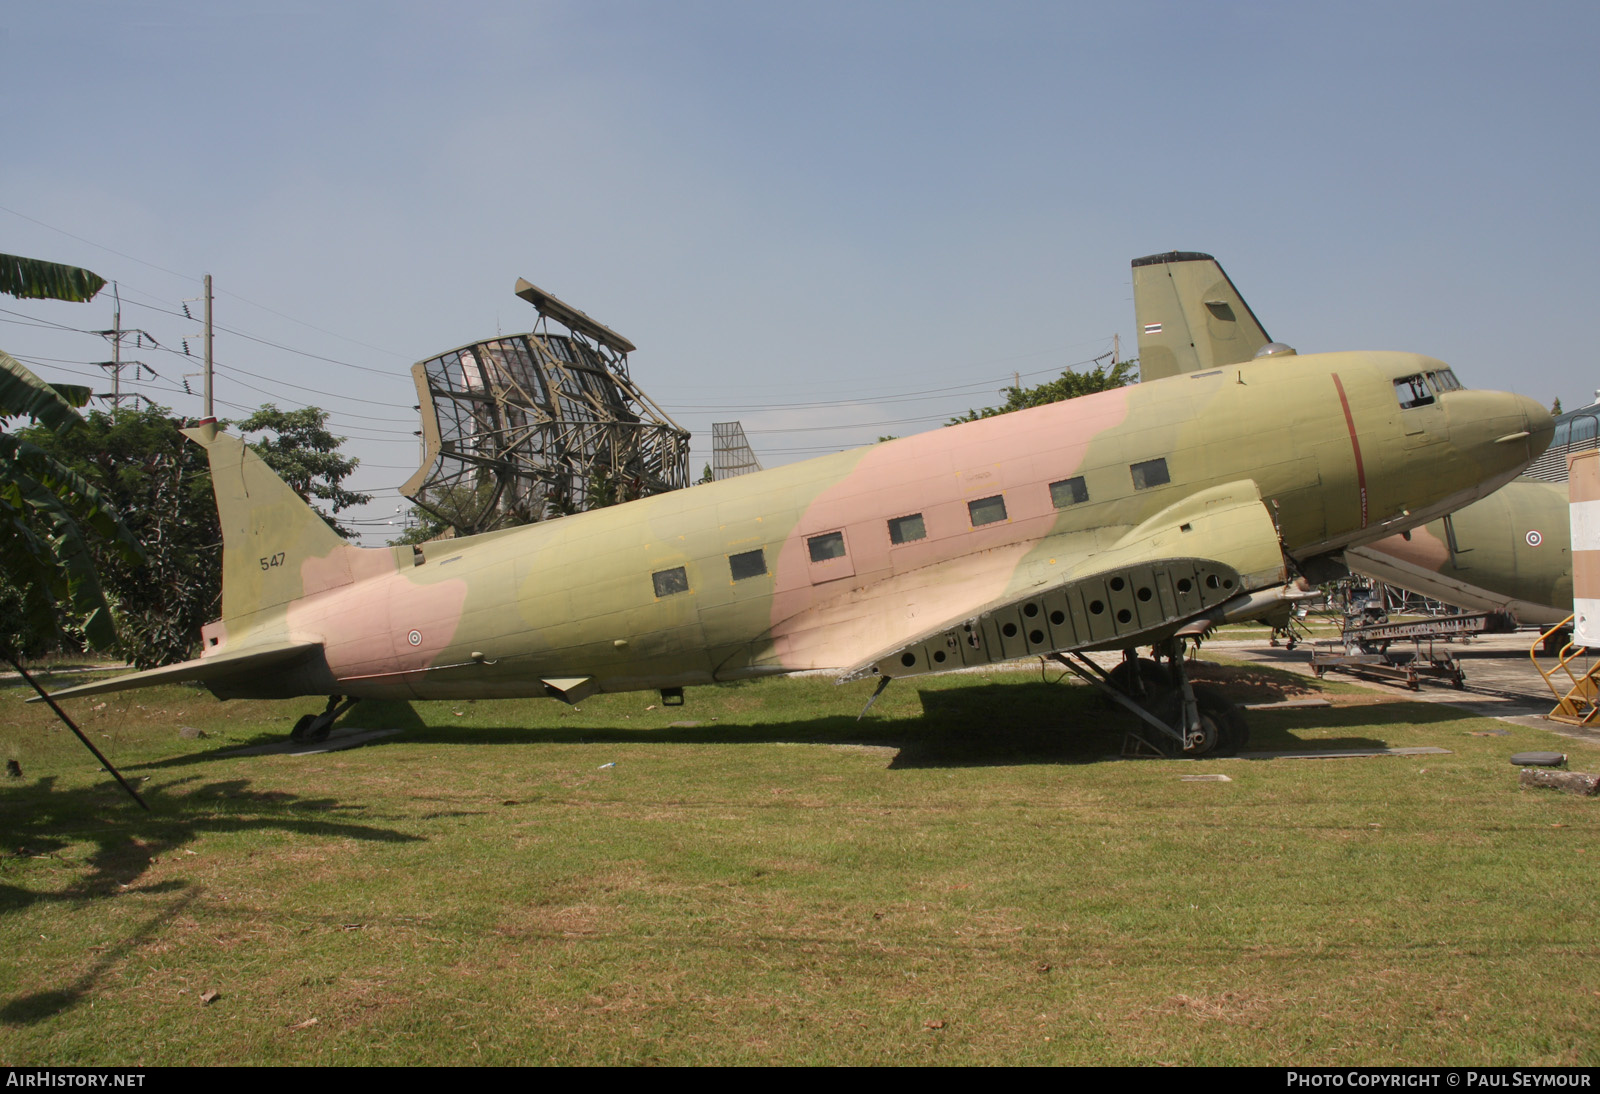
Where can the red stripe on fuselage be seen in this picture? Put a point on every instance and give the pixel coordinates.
(1355, 445)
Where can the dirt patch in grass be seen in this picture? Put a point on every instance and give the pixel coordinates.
(1254, 684)
(1235, 1007)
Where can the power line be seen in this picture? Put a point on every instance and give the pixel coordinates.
(31, 321)
(851, 425)
(269, 342)
(188, 277)
(971, 387)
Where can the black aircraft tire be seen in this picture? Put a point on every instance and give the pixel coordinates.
(1223, 727)
(298, 733)
(1157, 683)
(1236, 732)
(320, 728)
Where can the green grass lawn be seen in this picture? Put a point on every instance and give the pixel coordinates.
(961, 877)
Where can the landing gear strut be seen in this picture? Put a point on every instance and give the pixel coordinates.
(1176, 718)
(315, 727)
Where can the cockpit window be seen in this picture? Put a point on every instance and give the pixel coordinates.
(1421, 389)
(1413, 391)
(1442, 381)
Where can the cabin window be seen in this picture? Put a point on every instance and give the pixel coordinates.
(826, 546)
(907, 529)
(675, 580)
(987, 510)
(1069, 492)
(747, 564)
(1413, 391)
(1150, 473)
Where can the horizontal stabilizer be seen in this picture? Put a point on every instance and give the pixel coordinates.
(205, 670)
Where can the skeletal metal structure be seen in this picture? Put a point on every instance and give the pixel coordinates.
(530, 426)
(731, 454)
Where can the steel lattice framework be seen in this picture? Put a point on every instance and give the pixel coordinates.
(731, 454)
(530, 426)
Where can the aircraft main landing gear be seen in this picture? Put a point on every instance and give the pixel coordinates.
(1177, 718)
(315, 727)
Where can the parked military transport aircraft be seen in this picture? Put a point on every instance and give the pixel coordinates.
(1130, 518)
(1507, 553)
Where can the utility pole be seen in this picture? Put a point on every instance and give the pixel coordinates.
(1116, 349)
(115, 336)
(116, 351)
(209, 413)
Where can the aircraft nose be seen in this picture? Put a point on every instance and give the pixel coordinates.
(1539, 424)
(1496, 430)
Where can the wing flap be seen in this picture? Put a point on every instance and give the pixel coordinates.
(206, 670)
(1184, 563)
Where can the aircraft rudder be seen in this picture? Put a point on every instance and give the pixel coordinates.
(1190, 315)
(268, 530)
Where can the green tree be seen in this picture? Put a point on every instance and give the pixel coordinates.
(35, 279)
(161, 483)
(427, 526)
(1070, 385)
(45, 556)
(149, 471)
(450, 508)
(306, 456)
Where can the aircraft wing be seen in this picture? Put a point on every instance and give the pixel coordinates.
(1198, 559)
(206, 670)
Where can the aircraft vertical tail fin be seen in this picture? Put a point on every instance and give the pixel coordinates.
(275, 547)
(1190, 316)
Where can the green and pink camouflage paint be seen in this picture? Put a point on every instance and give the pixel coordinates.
(1111, 521)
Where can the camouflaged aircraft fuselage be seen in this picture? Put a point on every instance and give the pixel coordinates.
(1102, 522)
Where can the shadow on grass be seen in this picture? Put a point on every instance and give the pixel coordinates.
(372, 714)
(1006, 723)
(1276, 729)
(25, 1010)
(998, 724)
(41, 820)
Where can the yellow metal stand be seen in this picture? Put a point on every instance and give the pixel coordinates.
(1577, 705)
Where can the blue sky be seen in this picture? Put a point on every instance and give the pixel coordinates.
(786, 203)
